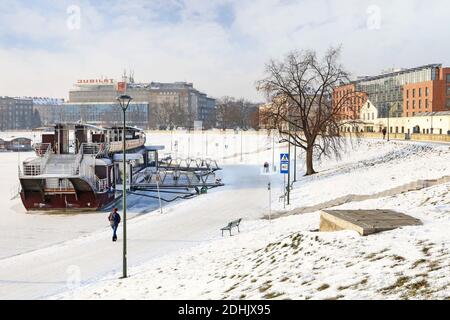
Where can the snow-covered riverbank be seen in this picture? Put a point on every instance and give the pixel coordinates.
(287, 258)
(181, 253)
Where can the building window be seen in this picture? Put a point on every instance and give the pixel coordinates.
(427, 91)
(414, 104)
(448, 91)
(414, 93)
(420, 104)
(420, 92)
(448, 78)
(426, 103)
(448, 103)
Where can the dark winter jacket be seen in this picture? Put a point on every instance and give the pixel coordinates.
(114, 217)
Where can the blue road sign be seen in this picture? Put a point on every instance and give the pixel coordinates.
(284, 163)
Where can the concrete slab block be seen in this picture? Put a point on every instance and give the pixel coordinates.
(364, 222)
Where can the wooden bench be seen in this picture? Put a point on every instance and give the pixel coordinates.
(232, 224)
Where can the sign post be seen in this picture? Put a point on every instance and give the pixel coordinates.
(266, 171)
(284, 169)
(159, 195)
(269, 188)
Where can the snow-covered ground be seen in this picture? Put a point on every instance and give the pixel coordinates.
(38, 250)
(23, 232)
(287, 259)
(181, 254)
(375, 166)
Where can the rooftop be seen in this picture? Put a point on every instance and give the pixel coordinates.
(47, 101)
(428, 114)
(396, 73)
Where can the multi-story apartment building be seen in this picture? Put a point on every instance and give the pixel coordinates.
(401, 92)
(16, 113)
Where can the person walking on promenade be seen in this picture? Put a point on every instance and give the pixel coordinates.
(114, 220)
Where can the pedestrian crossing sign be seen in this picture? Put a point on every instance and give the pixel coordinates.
(284, 163)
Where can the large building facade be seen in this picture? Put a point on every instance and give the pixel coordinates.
(400, 93)
(158, 96)
(105, 113)
(49, 110)
(16, 113)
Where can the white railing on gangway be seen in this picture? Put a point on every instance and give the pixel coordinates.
(36, 167)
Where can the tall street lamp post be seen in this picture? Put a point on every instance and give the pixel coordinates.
(295, 162)
(124, 101)
(388, 109)
(289, 162)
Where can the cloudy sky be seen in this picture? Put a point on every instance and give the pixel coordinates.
(219, 45)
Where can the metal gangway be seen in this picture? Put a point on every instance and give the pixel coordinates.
(178, 174)
(189, 164)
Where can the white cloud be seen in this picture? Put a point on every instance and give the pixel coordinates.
(186, 41)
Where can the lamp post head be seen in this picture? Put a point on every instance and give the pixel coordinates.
(124, 101)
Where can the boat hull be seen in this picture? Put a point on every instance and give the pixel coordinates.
(88, 201)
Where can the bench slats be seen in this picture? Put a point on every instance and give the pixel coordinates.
(232, 224)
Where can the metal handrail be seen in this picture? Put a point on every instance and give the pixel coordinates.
(88, 148)
(78, 159)
(35, 169)
(101, 184)
(46, 157)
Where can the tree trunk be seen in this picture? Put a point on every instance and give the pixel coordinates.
(309, 162)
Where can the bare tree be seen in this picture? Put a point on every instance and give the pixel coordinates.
(177, 116)
(223, 112)
(301, 104)
(235, 113)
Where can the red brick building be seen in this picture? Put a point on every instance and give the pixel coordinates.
(349, 101)
(428, 96)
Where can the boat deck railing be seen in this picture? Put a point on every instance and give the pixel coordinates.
(101, 184)
(37, 166)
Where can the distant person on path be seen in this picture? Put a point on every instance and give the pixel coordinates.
(114, 220)
(384, 133)
(266, 167)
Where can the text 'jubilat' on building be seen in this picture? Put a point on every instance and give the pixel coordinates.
(155, 105)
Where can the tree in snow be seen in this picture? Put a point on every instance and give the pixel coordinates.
(299, 90)
(235, 113)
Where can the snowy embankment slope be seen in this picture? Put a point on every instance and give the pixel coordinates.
(286, 258)
(373, 167)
